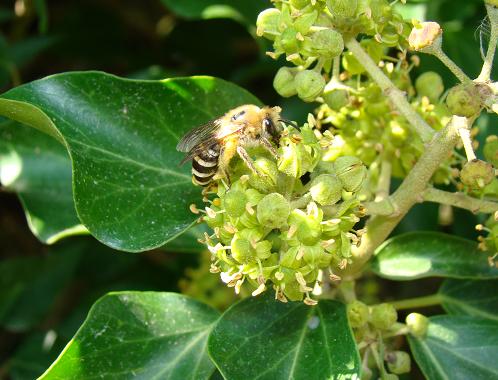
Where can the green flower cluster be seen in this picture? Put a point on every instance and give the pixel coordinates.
(312, 32)
(289, 224)
(366, 125)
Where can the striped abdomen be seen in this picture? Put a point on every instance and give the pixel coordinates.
(205, 166)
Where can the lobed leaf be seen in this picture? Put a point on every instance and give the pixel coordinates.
(139, 334)
(474, 298)
(121, 136)
(260, 338)
(457, 348)
(38, 169)
(426, 254)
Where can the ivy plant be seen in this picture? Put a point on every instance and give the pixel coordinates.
(298, 238)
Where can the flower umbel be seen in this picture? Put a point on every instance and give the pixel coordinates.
(287, 226)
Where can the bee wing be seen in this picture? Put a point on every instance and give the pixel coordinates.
(198, 136)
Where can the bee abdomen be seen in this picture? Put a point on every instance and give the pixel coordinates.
(204, 167)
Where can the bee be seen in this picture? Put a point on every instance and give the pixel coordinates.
(211, 146)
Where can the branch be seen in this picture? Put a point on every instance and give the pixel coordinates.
(409, 192)
(493, 39)
(398, 97)
(460, 200)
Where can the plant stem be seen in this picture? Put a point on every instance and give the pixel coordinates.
(397, 97)
(383, 207)
(493, 39)
(467, 144)
(384, 180)
(417, 302)
(454, 68)
(409, 192)
(460, 200)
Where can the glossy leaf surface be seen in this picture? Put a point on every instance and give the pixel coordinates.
(38, 169)
(121, 136)
(140, 334)
(266, 339)
(458, 348)
(475, 298)
(425, 254)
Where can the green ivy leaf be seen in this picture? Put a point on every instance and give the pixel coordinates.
(243, 11)
(38, 169)
(477, 298)
(458, 348)
(121, 136)
(425, 254)
(262, 338)
(139, 334)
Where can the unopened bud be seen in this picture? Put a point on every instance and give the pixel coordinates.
(235, 203)
(326, 189)
(477, 174)
(284, 82)
(425, 35)
(325, 43)
(430, 84)
(273, 211)
(351, 172)
(398, 362)
(417, 324)
(464, 100)
(342, 8)
(383, 316)
(267, 23)
(309, 85)
(357, 314)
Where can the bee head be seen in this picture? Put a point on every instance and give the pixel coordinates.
(271, 122)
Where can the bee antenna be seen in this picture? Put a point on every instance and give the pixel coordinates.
(289, 122)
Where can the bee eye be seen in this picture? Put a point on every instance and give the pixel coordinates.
(270, 127)
(238, 115)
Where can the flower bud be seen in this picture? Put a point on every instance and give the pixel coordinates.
(267, 23)
(357, 314)
(491, 150)
(296, 158)
(398, 362)
(425, 35)
(299, 4)
(218, 219)
(309, 229)
(325, 43)
(309, 85)
(242, 251)
(464, 100)
(288, 41)
(336, 98)
(234, 202)
(342, 8)
(284, 82)
(273, 211)
(383, 316)
(417, 324)
(351, 172)
(267, 181)
(477, 174)
(305, 21)
(430, 84)
(326, 189)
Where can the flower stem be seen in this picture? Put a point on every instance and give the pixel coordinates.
(414, 303)
(493, 39)
(452, 66)
(460, 200)
(397, 97)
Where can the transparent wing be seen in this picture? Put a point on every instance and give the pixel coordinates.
(198, 136)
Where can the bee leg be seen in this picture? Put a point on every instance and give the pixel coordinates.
(248, 160)
(269, 147)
